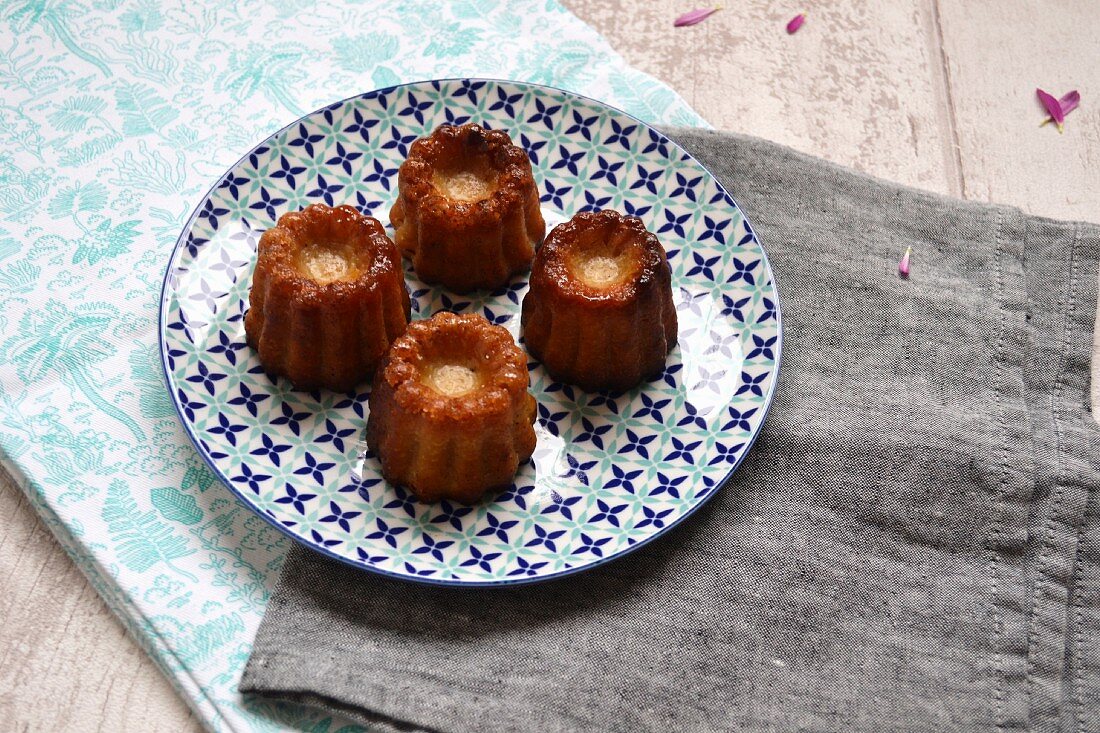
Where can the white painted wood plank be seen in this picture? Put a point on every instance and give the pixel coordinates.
(996, 53)
(860, 84)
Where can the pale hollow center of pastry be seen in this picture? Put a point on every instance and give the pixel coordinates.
(465, 184)
(603, 258)
(465, 176)
(601, 270)
(326, 262)
(452, 380)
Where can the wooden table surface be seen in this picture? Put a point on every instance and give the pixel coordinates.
(939, 94)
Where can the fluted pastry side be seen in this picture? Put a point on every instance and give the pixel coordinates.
(328, 297)
(450, 414)
(467, 211)
(599, 313)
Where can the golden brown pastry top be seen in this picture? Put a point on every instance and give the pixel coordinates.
(448, 341)
(470, 150)
(600, 257)
(321, 234)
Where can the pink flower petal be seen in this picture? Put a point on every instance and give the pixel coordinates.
(1069, 102)
(695, 16)
(1066, 104)
(903, 266)
(795, 23)
(1054, 108)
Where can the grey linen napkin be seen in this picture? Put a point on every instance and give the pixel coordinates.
(913, 543)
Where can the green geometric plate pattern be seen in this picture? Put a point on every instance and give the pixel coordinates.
(610, 472)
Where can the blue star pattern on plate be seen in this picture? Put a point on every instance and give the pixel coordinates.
(611, 471)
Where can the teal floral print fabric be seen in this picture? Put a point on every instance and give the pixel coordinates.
(115, 118)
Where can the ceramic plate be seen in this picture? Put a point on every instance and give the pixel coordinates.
(611, 471)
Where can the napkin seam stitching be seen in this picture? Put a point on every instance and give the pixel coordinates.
(1076, 694)
(998, 621)
(1075, 644)
(1046, 557)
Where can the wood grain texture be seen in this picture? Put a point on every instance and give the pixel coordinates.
(938, 95)
(1005, 157)
(859, 84)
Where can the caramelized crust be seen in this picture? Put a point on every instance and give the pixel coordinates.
(467, 211)
(328, 296)
(599, 313)
(452, 439)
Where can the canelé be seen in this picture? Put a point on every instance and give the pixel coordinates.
(328, 297)
(467, 211)
(450, 414)
(599, 312)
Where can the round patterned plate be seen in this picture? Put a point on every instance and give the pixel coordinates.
(611, 471)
